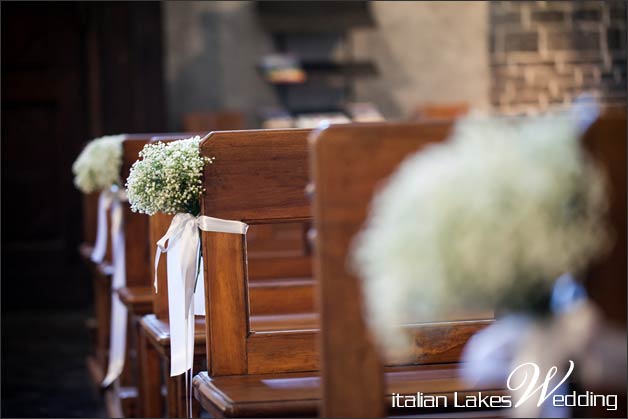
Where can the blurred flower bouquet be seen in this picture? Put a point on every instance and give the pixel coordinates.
(487, 220)
(503, 216)
(97, 168)
(167, 178)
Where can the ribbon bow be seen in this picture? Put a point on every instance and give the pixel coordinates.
(182, 245)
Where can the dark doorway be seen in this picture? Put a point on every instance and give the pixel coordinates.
(70, 71)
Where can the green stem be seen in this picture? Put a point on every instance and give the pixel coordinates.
(198, 261)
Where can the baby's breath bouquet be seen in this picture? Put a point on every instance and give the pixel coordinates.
(97, 168)
(487, 220)
(167, 178)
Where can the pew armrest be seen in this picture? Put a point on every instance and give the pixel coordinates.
(138, 300)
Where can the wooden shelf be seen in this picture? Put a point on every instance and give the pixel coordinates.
(311, 31)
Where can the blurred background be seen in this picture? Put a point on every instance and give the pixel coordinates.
(75, 71)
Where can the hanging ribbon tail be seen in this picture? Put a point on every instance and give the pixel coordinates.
(117, 341)
(190, 249)
(100, 246)
(182, 250)
(118, 331)
(182, 245)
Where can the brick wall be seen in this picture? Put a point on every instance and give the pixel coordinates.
(544, 53)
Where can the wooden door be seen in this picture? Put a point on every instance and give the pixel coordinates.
(70, 72)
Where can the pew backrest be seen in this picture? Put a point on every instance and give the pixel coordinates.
(348, 164)
(258, 177)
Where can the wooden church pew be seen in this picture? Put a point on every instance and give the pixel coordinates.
(355, 385)
(258, 177)
(231, 390)
(281, 284)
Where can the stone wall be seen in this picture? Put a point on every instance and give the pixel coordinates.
(544, 53)
(211, 52)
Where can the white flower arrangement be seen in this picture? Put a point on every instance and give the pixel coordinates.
(98, 166)
(167, 178)
(487, 220)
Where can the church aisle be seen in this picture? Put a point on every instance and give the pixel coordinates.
(45, 377)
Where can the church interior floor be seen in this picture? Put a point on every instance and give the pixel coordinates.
(43, 366)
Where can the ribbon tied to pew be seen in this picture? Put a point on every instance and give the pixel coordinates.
(182, 245)
(111, 200)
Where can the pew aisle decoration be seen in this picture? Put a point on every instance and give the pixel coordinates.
(168, 178)
(97, 169)
(488, 220)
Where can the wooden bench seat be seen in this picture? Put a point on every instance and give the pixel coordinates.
(300, 393)
(137, 299)
(159, 331)
(154, 347)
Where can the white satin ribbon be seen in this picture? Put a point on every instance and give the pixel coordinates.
(182, 243)
(100, 246)
(113, 199)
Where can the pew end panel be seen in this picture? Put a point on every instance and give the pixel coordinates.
(279, 265)
(349, 163)
(90, 217)
(158, 226)
(606, 280)
(258, 177)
